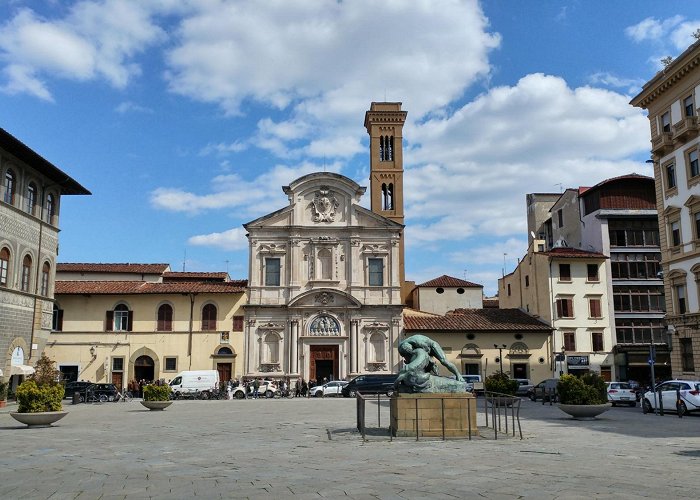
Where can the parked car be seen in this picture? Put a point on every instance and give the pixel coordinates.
(474, 383)
(267, 389)
(621, 393)
(524, 385)
(109, 390)
(689, 391)
(73, 387)
(370, 384)
(545, 390)
(334, 388)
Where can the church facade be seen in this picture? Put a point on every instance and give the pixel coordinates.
(326, 274)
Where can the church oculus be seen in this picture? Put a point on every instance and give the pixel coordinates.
(326, 275)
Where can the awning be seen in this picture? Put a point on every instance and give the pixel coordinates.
(25, 370)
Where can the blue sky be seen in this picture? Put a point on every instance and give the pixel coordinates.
(185, 118)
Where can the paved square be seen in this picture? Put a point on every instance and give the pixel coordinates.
(302, 448)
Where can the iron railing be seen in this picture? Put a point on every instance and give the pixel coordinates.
(502, 413)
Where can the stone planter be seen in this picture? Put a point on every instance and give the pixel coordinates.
(584, 412)
(41, 419)
(156, 405)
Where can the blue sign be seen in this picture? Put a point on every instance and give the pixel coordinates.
(651, 361)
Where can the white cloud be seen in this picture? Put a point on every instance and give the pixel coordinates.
(676, 29)
(95, 40)
(233, 239)
(131, 107)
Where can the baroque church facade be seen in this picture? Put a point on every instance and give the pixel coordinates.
(325, 295)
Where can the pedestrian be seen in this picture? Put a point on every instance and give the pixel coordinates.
(304, 388)
(256, 386)
(297, 388)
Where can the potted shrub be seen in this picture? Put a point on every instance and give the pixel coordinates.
(3, 394)
(40, 398)
(500, 389)
(582, 397)
(156, 397)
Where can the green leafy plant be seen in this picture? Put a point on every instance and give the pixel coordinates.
(154, 392)
(3, 390)
(501, 383)
(586, 390)
(41, 392)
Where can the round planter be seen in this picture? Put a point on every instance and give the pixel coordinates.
(41, 419)
(584, 412)
(156, 405)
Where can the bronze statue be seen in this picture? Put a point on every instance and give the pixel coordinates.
(420, 374)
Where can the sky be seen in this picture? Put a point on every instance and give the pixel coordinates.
(185, 118)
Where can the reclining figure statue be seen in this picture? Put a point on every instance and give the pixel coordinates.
(420, 374)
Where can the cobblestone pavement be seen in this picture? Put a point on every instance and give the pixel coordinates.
(300, 449)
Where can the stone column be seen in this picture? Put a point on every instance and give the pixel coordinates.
(294, 340)
(354, 329)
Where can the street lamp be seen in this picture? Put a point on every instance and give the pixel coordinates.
(500, 354)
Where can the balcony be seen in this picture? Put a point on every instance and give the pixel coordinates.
(662, 144)
(685, 129)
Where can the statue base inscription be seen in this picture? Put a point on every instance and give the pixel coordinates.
(455, 411)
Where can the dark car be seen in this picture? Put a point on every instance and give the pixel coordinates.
(109, 390)
(79, 387)
(545, 390)
(370, 384)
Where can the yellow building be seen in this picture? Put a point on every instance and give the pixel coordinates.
(123, 322)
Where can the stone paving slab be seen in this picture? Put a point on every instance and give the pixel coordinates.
(301, 449)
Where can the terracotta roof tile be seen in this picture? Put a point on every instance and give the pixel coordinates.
(112, 268)
(194, 276)
(141, 287)
(449, 281)
(492, 302)
(486, 320)
(573, 253)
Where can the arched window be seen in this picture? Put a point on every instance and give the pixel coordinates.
(165, 318)
(121, 318)
(45, 273)
(271, 348)
(376, 342)
(50, 208)
(10, 187)
(31, 198)
(26, 273)
(325, 264)
(390, 196)
(390, 148)
(209, 318)
(57, 324)
(4, 266)
(224, 351)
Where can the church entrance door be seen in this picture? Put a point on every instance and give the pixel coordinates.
(324, 362)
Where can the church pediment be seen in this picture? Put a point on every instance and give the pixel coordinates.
(326, 298)
(367, 218)
(279, 218)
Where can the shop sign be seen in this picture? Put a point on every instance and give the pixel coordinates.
(577, 362)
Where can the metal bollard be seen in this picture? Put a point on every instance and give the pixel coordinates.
(76, 398)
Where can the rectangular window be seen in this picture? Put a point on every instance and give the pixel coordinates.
(4, 265)
(597, 341)
(508, 289)
(560, 217)
(117, 364)
(696, 216)
(670, 176)
(693, 163)
(688, 106)
(595, 309)
(565, 308)
(564, 272)
(57, 320)
(376, 272)
(666, 122)
(570, 341)
(237, 324)
(680, 299)
(687, 362)
(170, 364)
(272, 271)
(592, 272)
(675, 233)
(527, 280)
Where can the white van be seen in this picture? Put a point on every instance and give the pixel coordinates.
(195, 380)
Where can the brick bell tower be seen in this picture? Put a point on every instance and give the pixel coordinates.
(384, 123)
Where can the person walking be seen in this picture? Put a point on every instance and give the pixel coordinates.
(297, 388)
(304, 388)
(256, 386)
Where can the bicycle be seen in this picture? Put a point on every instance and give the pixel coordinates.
(91, 397)
(124, 397)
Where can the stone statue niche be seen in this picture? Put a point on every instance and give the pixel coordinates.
(420, 373)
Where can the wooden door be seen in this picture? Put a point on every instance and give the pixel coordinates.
(224, 370)
(323, 353)
(118, 380)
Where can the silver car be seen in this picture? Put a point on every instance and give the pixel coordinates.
(676, 395)
(328, 389)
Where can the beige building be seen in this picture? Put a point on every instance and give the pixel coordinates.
(671, 98)
(30, 200)
(566, 288)
(446, 293)
(122, 322)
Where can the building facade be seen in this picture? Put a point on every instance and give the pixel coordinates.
(30, 202)
(670, 98)
(119, 323)
(443, 294)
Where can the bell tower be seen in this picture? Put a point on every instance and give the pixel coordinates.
(384, 123)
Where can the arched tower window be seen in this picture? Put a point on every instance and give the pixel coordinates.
(271, 348)
(165, 318)
(50, 208)
(31, 198)
(381, 148)
(10, 187)
(325, 264)
(4, 266)
(376, 342)
(390, 148)
(26, 273)
(45, 273)
(209, 318)
(121, 318)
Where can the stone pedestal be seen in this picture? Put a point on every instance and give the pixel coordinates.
(456, 410)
